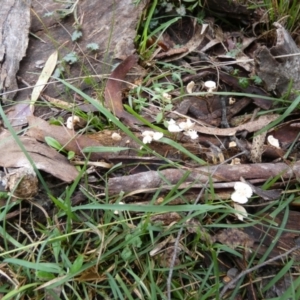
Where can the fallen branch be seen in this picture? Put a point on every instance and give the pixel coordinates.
(220, 173)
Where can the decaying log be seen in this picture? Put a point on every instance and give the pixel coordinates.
(14, 29)
(221, 173)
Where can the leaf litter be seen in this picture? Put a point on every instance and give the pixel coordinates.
(208, 53)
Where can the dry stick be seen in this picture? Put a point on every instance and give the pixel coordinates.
(169, 279)
(245, 272)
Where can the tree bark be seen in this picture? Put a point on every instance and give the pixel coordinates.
(14, 29)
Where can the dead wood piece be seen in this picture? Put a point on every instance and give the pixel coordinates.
(14, 29)
(258, 147)
(189, 47)
(221, 173)
(22, 183)
(277, 73)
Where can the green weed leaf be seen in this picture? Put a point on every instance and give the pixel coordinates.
(77, 264)
(135, 241)
(53, 143)
(71, 155)
(92, 46)
(71, 58)
(49, 14)
(256, 79)
(43, 275)
(77, 34)
(159, 117)
(244, 82)
(126, 253)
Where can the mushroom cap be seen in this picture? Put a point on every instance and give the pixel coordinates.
(210, 84)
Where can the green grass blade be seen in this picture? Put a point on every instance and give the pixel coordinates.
(288, 111)
(279, 275)
(14, 294)
(46, 267)
(201, 208)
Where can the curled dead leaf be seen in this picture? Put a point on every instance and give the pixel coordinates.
(113, 90)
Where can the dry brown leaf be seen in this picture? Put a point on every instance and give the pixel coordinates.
(113, 90)
(278, 73)
(91, 274)
(17, 114)
(59, 103)
(233, 238)
(86, 107)
(191, 45)
(209, 45)
(286, 132)
(39, 129)
(44, 157)
(166, 218)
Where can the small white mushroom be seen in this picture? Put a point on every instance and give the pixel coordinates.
(232, 144)
(191, 133)
(232, 100)
(148, 136)
(116, 137)
(190, 87)
(173, 127)
(39, 64)
(273, 142)
(235, 161)
(72, 121)
(210, 86)
(241, 211)
(186, 125)
(242, 192)
(166, 97)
